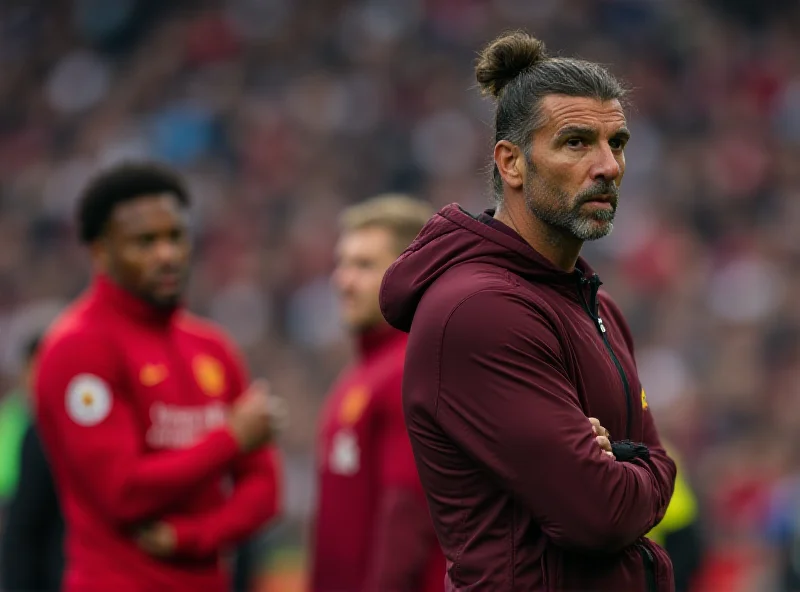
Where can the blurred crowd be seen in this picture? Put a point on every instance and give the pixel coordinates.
(281, 113)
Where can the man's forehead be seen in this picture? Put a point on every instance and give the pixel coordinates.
(366, 241)
(147, 211)
(561, 111)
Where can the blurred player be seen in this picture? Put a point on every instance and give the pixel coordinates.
(160, 449)
(680, 533)
(31, 546)
(373, 531)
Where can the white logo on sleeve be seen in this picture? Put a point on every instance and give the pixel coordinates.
(88, 399)
(345, 458)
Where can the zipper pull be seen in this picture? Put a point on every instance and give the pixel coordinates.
(602, 326)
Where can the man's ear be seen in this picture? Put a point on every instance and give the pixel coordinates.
(100, 256)
(510, 161)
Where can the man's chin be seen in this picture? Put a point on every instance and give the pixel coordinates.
(165, 301)
(590, 227)
(593, 229)
(357, 326)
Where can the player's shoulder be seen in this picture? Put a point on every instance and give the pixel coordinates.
(76, 327)
(77, 347)
(387, 371)
(206, 332)
(201, 328)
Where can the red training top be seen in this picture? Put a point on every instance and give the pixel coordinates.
(131, 404)
(373, 532)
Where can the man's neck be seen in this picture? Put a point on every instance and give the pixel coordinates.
(372, 338)
(131, 303)
(561, 249)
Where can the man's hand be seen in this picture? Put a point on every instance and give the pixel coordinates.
(158, 540)
(256, 416)
(602, 437)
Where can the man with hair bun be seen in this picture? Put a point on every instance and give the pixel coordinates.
(530, 428)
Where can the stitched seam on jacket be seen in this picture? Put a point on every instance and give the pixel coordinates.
(465, 511)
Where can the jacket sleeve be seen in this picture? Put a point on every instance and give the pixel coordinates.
(506, 400)
(101, 447)
(254, 501)
(256, 497)
(663, 467)
(404, 537)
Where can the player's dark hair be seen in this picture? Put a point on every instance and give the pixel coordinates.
(119, 184)
(517, 72)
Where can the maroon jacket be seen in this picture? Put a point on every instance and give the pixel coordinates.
(507, 358)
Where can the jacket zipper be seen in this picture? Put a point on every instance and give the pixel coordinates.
(593, 311)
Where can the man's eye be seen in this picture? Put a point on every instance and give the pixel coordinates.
(575, 143)
(616, 144)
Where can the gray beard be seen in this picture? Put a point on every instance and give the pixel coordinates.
(553, 207)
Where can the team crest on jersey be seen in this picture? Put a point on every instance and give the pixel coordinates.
(210, 375)
(645, 406)
(153, 374)
(345, 458)
(353, 405)
(88, 399)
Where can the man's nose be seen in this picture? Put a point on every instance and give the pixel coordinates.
(342, 277)
(167, 251)
(606, 166)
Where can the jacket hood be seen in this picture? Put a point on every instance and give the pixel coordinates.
(450, 238)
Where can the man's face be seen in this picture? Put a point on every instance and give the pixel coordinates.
(577, 164)
(146, 248)
(362, 258)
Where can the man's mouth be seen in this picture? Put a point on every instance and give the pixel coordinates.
(605, 199)
(168, 280)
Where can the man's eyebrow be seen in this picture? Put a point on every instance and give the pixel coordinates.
(576, 130)
(623, 132)
(591, 132)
